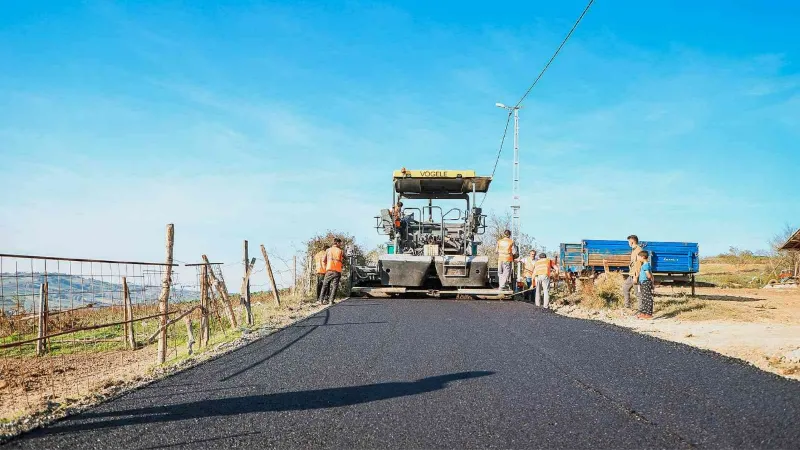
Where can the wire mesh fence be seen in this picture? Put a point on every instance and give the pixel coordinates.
(71, 326)
(78, 293)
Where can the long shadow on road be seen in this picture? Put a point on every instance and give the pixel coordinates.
(285, 347)
(284, 401)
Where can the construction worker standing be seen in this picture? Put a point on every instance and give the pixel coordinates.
(527, 272)
(542, 270)
(505, 258)
(319, 265)
(633, 273)
(397, 214)
(334, 262)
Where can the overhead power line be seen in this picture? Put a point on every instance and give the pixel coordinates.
(539, 77)
(566, 38)
(499, 151)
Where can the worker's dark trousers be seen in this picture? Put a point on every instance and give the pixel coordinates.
(329, 286)
(320, 279)
(626, 290)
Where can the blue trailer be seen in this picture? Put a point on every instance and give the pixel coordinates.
(570, 258)
(672, 262)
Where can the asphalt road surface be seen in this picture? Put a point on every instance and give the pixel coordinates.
(453, 374)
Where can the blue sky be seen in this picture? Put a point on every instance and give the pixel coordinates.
(273, 120)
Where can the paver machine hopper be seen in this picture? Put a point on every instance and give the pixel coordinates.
(433, 240)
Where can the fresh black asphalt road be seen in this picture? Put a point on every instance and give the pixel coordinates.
(453, 374)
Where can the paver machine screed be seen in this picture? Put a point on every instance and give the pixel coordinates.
(433, 243)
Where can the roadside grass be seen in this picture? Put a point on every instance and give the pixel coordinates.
(747, 279)
(605, 293)
(743, 271)
(676, 305)
(97, 340)
(111, 338)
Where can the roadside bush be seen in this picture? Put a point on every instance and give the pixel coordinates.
(609, 287)
(605, 292)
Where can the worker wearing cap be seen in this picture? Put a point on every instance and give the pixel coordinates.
(319, 266)
(334, 263)
(505, 258)
(527, 272)
(542, 269)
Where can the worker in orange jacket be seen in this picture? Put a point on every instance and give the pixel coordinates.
(397, 214)
(543, 269)
(527, 274)
(319, 266)
(334, 263)
(505, 258)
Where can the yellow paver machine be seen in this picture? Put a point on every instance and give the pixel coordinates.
(433, 240)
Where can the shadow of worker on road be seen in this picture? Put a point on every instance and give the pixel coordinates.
(284, 401)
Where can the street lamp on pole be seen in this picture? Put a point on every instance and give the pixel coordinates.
(515, 219)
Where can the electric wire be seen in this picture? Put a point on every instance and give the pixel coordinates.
(535, 82)
(566, 38)
(499, 152)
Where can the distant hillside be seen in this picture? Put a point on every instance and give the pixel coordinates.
(67, 290)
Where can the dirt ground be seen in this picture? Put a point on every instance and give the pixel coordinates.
(760, 326)
(29, 385)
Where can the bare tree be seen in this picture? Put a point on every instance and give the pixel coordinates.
(781, 260)
(324, 240)
(372, 256)
(496, 224)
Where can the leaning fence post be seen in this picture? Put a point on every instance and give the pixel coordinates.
(271, 277)
(41, 344)
(213, 301)
(189, 333)
(130, 340)
(163, 301)
(223, 291)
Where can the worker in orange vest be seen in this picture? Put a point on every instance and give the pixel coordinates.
(319, 266)
(397, 214)
(542, 270)
(334, 263)
(505, 258)
(527, 273)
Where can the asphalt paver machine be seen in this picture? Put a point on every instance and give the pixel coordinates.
(433, 240)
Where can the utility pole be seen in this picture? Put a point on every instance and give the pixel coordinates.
(515, 219)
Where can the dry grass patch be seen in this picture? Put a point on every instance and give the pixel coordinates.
(604, 293)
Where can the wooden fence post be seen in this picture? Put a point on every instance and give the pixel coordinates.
(248, 267)
(189, 333)
(294, 275)
(41, 344)
(205, 304)
(129, 338)
(223, 292)
(248, 272)
(307, 275)
(271, 277)
(163, 300)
